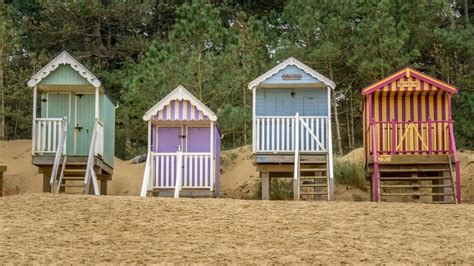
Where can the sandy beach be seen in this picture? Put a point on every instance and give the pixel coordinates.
(45, 228)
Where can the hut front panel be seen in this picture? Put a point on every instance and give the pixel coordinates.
(411, 107)
(198, 139)
(288, 102)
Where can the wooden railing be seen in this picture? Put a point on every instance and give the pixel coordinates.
(90, 173)
(47, 135)
(417, 137)
(60, 147)
(99, 144)
(178, 170)
(278, 133)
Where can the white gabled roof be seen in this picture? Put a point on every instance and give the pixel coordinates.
(180, 93)
(292, 62)
(64, 58)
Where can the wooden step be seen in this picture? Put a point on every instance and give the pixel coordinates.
(414, 186)
(313, 177)
(417, 194)
(409, 178)
(313, 185)
(74, 178)
(72, 185)
(413, 162)
(312, 193)
(313, 170)
(391, 170)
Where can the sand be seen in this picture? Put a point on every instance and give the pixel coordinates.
(238, 179)
(51, 228)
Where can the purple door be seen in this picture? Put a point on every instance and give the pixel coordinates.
(169, 139)
(198, 139)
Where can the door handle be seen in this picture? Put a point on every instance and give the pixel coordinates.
(78, 127)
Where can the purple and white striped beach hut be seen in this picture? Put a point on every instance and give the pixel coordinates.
(183, 147)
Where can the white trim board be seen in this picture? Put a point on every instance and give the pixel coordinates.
(180, 93)
(64, 58)
(291, 62)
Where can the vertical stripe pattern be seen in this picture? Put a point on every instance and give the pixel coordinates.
(402, 112)
(180, 111)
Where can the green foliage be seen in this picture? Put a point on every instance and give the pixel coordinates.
(280, 189)
(142, 51)
(349, 173)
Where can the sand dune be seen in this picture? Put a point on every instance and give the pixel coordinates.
(51, 228)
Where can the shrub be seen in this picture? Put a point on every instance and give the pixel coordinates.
(349, 173)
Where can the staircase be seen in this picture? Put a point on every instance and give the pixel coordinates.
(313, 180)
(430, 181)
(71, 180)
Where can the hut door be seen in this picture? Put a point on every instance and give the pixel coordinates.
(169, 139)
(84, 123)
(198, 139)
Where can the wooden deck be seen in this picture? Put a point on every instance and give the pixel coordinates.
(75, 163)
(412, 177)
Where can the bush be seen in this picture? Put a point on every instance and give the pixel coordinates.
(281, 189)
(349, 173)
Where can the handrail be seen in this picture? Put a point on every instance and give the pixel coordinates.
(184, 153)
(59, 151)
(456, 162)
(179, 174)
(290, 116)
(296, 171)
(48, 119)
(90, 163)
(146, 175)
(376, 165)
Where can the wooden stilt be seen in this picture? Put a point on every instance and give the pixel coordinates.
(265, 185)
(103, 186)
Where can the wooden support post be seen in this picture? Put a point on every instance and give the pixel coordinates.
(430, 135)
(296, 186)
(254, 129)
(97, 103)
(265, 185)
(394, 136)
(2, 169)
(33, 129)
(46, 179)
(416, 189)
(103, 186)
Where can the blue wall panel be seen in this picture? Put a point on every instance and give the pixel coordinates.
(280, 102)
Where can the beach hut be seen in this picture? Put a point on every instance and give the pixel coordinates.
(291, 129)
(73, 128)
(410, 152)
(183, 148)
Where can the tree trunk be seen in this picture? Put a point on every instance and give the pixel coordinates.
(466, 12)
(351, 108)
(2, 89)
(336, 119)
(348, 128)
(199, 75)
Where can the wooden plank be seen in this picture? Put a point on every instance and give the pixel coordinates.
(265, 185)
(412, 159)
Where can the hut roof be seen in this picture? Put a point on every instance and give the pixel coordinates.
(409, 72)
(64, 58)
(179, 94)
(292, 62)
